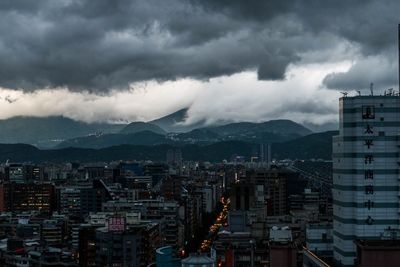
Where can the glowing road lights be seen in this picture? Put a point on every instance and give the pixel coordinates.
(219, 222)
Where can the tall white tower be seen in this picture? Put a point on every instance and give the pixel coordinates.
(365, 172)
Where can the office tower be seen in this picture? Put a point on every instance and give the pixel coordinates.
(242, 195)
(33, 173)
(28, 197)
(117, 247)
(91, 199)
(51, 232)
(174, 157)
(15, 173)
(265, 153)
(69, 200)
(274, 184)
(365, 172)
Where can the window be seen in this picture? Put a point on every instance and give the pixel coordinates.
(381, 133)
(382, 118)
(324, 237)
(368, 112)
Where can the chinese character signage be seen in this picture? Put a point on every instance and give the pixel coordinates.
(116, 224)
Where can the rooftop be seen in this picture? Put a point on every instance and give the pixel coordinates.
(378, 244)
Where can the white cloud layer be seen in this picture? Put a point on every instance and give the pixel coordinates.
(239, 97)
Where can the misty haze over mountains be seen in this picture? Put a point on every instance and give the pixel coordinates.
(60, 138)
(57, 131)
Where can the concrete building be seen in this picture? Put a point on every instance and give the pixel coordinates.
(91, 199)
(377, 252)
(51, 233)
(242, 195)
(70, 200)
(15, 173)
(28, 197)
(117, 248)
(319, 240)
(283, 255)
(365, 172)
(87, 245)
(207, 199)
(273, 186)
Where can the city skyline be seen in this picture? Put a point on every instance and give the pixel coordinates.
(181, 133)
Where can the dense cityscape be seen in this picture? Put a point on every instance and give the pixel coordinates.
(134, 213)
(200, 133)
(255, 211)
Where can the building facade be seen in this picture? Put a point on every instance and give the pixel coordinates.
(365, 172)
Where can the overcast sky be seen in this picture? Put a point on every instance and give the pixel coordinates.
(227, 60)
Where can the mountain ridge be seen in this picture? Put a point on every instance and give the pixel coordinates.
(140, 126)
(49, 132)
(266, 132)
(313, 146)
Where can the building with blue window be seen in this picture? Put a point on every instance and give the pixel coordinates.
(365, 173)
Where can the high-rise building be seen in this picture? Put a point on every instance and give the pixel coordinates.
(265, 153)
(242, 195)
(273, 183)
(28, 197)
(87, 245)
(69, 200)
(174, 157)
(15, 173)
(115, 247)
(365, 172)
(91, 199)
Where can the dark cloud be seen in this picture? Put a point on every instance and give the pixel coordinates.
(380, 70)
(102, 45)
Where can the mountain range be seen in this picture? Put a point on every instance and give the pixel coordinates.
(150, 134)
(49, 131)
(308, 147)
(60, 133)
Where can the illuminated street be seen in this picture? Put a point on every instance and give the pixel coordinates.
(220, 221)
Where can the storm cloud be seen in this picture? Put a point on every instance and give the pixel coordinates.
(108, 45)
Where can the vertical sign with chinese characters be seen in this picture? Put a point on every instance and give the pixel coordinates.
(368, 113)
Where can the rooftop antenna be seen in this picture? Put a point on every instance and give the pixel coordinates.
(359, 92)
(371, 87)
(344, 94)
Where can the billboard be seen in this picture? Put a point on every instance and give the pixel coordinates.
(116, 224)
